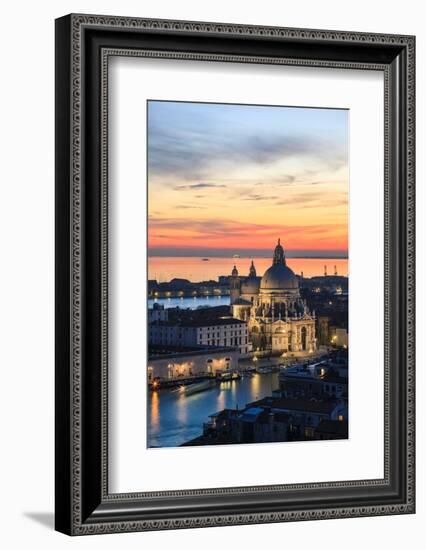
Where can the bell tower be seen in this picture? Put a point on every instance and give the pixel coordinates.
(234, 285)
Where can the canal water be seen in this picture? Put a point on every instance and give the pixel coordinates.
(174, 418)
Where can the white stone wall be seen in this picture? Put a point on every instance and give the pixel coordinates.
(225, 335)
(233, 334)
(191, 364)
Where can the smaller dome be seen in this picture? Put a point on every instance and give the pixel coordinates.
(250, 285)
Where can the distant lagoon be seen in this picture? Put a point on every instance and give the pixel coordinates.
(197, 269)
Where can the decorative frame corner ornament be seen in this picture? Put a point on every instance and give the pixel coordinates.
(84, 43)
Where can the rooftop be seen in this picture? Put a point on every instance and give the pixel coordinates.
(201, 322)
(163, 352)
(212, 322)
(301, 405)
(334, 378)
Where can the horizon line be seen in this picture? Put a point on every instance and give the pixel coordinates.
(261, 253)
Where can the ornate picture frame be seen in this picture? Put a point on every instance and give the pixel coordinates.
(84, 44)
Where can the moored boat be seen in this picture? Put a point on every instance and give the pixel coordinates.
(228, 375)
(198, 387)
(264, 370)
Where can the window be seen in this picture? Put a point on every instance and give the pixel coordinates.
(309, 432)
(303, 336)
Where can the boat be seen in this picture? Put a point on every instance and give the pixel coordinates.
(236, 256)
(228, 375)
(247, 374)
(264, 370)
(204, 385)
(205, 259)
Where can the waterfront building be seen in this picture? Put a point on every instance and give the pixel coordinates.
(157, 313)
(313, 410)
(183, 288)
(332, 284)
(320, 382)
(275, 419)
(339, 337)
(278, 319)
(202, 332)
(173, 363)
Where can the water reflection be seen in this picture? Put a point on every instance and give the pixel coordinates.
(174, 418)
(155, 410)
(181, 409)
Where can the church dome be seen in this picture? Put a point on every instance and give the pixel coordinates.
(279, 277)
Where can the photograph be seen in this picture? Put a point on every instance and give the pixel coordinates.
(248, 273)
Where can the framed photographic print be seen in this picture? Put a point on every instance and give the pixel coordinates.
(234, 274)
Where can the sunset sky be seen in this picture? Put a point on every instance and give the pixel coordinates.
(226, 179)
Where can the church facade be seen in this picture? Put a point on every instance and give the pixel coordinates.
(278, 319)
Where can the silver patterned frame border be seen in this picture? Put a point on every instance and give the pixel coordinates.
(78, 23)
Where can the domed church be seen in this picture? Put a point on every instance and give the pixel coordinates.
(278, 319)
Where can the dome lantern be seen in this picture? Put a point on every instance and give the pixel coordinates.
(279, 256)
(279, 277)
